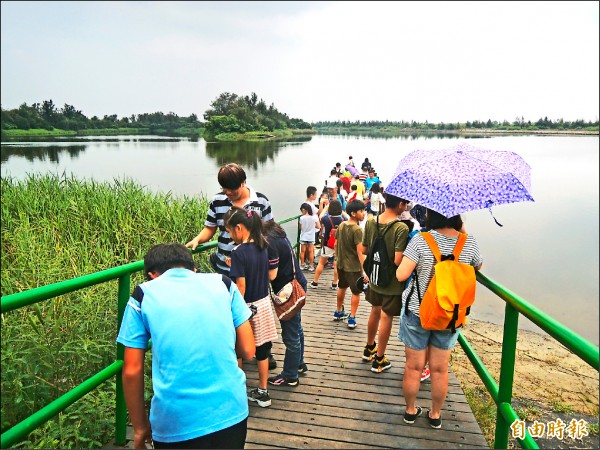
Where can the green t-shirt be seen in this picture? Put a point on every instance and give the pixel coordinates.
(348, 236)
(396, 240)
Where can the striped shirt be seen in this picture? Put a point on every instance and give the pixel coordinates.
(419, 252)
(217, 208)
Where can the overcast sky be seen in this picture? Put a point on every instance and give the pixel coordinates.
(434, 61)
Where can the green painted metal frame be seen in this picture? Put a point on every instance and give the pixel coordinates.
(123, 275)
(501, 393)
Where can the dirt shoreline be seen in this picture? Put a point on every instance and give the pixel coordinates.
(549, 379)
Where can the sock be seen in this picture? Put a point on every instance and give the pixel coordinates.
(262, 391)
(371, 347)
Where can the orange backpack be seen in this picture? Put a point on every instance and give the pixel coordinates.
(451, 292)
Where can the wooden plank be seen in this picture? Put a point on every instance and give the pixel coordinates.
(340, 403)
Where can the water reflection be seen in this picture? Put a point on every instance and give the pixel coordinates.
(250, 154)
(50, 153)
(405, 136)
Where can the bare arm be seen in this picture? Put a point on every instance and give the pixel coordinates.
(406, 267)
(273, 273)
(240, 282)
(398, 258)
(245, 346)
(133, 386)
(205, 235)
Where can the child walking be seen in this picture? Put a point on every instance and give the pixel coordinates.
(251, 272)
(349, 259)
(308, 224)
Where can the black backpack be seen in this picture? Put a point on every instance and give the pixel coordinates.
(377, 264)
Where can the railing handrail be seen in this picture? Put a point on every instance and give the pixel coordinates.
(563, 334)
(501, 393)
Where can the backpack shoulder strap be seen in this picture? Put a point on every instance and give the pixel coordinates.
(390, 226)
(432, 245)
(460, 243)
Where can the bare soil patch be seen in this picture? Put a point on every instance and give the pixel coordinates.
(550, 382)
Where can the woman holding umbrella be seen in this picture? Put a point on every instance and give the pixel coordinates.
(419, 257)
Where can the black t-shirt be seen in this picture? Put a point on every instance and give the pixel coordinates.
(281, 256)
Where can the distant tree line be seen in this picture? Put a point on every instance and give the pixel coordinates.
(518, 124)
(48, 116)
(231, 113)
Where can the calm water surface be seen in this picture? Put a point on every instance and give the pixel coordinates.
(546, 252)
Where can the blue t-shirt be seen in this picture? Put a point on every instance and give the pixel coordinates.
(252, 263)
(191, 318)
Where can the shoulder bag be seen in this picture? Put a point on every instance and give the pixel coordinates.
(291, 298)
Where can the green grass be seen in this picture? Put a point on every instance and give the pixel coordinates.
(37, 132)
(56, 228)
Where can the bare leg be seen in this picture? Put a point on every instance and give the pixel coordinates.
(320, 267)
(311, 255)
(263, 373)
(411, 381)
(385, 329)
(335, 273)
(341, 294)
(354, 300)
(302, 254)
(438, 364)
(373, 324)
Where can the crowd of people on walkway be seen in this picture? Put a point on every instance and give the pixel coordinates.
(203, 326)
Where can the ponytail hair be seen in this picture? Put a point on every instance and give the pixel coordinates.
(249, 219)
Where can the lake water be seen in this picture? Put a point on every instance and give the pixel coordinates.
(546, 252)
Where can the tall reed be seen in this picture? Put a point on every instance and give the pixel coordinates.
(56, 228)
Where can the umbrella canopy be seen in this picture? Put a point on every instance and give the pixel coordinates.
(462, 178)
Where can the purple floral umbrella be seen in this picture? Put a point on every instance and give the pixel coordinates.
(462, 178)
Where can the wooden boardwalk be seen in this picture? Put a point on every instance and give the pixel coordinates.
(340, 403)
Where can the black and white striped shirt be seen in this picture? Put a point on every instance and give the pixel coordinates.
(418, 251)
(217, 208)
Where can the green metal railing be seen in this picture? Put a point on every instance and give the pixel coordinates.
(32, 296)
(501, 393)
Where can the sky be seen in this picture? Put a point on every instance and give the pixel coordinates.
(317, 61)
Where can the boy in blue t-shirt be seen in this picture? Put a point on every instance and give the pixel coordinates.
(199, 326)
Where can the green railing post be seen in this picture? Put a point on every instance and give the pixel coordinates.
(120, 406)
(507, 373)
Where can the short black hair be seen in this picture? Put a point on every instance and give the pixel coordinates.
(231, 176)
(163, 257)
(391, 201)
(334, 208)
(435, 221)
(354, 206)
(310, 191)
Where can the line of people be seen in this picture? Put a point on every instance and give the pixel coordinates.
(204, 325)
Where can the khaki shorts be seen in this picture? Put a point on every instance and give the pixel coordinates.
(390, 304)
(348, 280)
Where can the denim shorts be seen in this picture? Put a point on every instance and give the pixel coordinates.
(415, 337)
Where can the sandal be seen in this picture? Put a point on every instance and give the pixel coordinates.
(434, 423)
(410, 418)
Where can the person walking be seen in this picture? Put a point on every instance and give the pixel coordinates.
(386, 301)
(349, 259)
(332, 218)
(251, 271)
(282, 258)
(193, 319)
(418, 256)
(308, 224)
